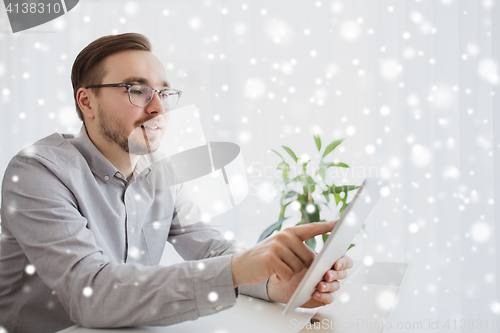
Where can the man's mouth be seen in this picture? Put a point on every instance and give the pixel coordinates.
(150, 127)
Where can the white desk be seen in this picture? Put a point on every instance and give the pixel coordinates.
(367, 295)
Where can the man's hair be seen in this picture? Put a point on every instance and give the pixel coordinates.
(88, 68)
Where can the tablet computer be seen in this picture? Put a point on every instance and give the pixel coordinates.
(339, 240)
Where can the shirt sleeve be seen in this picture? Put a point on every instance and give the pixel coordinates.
(200, 240)
(42, 214)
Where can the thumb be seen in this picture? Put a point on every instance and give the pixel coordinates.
(304, 232)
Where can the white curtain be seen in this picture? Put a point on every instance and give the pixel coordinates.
(411, 85)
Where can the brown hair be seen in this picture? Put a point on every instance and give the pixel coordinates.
(88, 67)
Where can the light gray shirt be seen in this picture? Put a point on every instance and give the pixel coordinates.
(81, 244)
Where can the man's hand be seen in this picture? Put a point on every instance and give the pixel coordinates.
(281, 291)
(284, 255)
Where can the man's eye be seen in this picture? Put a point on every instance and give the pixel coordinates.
(136, 92)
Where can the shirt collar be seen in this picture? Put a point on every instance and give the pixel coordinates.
(97, 162)
(100, 165)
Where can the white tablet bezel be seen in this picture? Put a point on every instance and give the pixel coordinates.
(334, 247)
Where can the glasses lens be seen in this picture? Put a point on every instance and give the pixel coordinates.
(140, 95)
(169, 99)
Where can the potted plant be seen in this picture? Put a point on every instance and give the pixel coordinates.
(300, 189)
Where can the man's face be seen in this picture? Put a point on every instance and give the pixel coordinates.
(128, 126)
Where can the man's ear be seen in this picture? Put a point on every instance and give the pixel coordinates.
(83, 98)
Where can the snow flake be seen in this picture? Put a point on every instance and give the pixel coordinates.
(416, 17)
(344, 297)
(350, 30)
(350, 130)
(29, 269)
(480, 232)
(87, 291)
(130, 8)
(421, 156)
(337, 7)
(495, 307)
(213, 296)
(195, 23)
(229, 235)
(488, 70)
(370, 149)
(368, 261)
(134, 252)
(451, 172)
(413, 228)
(390, 69)
(255, 88)
(310, 208)
(488, 3)
(295, 205)
(240, 29)
(385, 110)
(385, 191)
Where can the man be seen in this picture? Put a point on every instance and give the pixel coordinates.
(84, 221)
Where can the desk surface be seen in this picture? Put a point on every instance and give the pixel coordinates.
(365, 299)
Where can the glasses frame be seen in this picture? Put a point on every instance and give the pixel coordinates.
(130, 85)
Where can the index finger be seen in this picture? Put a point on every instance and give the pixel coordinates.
(307, 231)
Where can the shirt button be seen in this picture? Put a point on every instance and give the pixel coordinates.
(106, 177)
(119, 175)
(218, 307)
(132, 230)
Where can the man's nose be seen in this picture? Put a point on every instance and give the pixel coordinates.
(156, 105)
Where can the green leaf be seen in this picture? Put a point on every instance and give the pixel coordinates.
(289, 194)
(350, 247)
(340, 164)
(317, 139)
(331, 147)
(278, 155)
(285, 168)
(325, 237)
(311, 243)
(290, 152)
(302, 198)
(337, 198)
(304, 165)
(311, 217)
(322, 172)
(344, 206)
(343, 188)
(268, 232)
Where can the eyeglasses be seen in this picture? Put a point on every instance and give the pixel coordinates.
(141, 94)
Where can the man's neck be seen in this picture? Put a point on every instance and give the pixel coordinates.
(123, 161)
